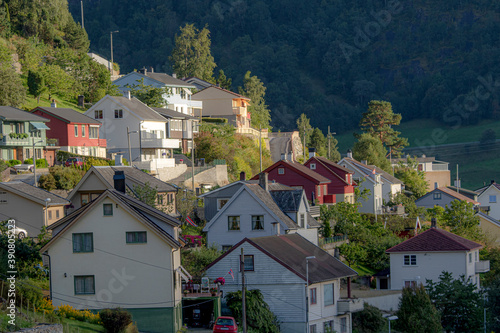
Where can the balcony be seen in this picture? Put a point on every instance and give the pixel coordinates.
(155, 164)
(482, 266)
(345, 305)
(329, 199)
(6, 140)
(240, 110)
(160, 143)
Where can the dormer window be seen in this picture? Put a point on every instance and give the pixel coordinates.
(302, 220)
(98, 114)
(313, 166)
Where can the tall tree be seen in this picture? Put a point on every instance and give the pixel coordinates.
(413, 178)
(318, 141)
(12, 91)
(254, 89)
(149, 95)
(416, 314)
(378, 122)
(223, 81)
(36, 84)
(191, 55)
(372, 150)
(332, 150)
(305, 130)
(461, 217)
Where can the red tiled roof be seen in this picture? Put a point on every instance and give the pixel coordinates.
(456, 195)
(333, 164)
(435, 240)
(300, 169)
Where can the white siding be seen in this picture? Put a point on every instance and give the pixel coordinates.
(484, 199)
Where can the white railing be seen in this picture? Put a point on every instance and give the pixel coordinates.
(482, 266)
(345, 305)
(160, 143)
(155, 164)
(252, 132)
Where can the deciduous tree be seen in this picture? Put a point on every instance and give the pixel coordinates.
(413, 178)
(461, 217)
(254, 89)
(416, 313)
(371, 149)
(149, 95)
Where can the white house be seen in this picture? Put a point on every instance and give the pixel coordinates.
(119, 252)
(489, 196)
(254, 211)
(179, 93)
(276, 265)
(429, 254)
(150, 147)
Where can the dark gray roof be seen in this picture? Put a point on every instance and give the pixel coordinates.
(169, 80)
(287, 201)
(107, 172)
(489, 218)
(312, 222)
(139, 108)
(69, 115)
(168, 113)
(273, 186)
(369, 169)
(292, 250)
(34, 193)
(10, 113)
(266, 198)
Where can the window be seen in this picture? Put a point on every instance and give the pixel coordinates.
(475, 259)
(493, 198)
(319, 191)
(107, 209)
(76, 131)
(93, 132)
(84, 285)
(249, 263)
(119, 113)
(27, 153)
(410, 260)
(343, 325)
(328, 294)
(313, 296)
(159, 199)
(313, 166)
(98, 114)
(136, 237)
(312, 329)
(437, 196)
(233, 223)
(50, 215)
(226, 248)
(57, 214)
(281, 171)
(302, 220)
(83, 131)
(83, 242)
(84, 198)
(470, 257)
(257, 222)
(328, 326)
(410, 284)
(221, 203)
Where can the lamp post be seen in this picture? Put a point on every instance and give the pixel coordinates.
(193, 125)
(130, 149)
(389, 319)
(111, 65)
(307, 291)
(47, 201)
(34, 159)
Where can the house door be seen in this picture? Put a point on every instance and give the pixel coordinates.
(384, 284)
(19, 154)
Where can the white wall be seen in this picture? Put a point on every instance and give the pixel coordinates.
(484, 199)
(125, 274)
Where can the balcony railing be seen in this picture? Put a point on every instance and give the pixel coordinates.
(334, 239)
(155, 164)
(240, 110)
(160, 143)
(253, 132)
(329, 199)
(6, 140)
(345, 305)
(482, 266)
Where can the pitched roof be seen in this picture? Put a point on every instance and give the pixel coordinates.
(273, 186)
(308, 173)
(484, 188)
(169, 113)
(331, 163)
(455, 194)
(488, 217)
(224, 90)
(34, 193)
(435, 240)
(291, 251)
(287, 201)
(369, 168)
(139, 108)
(168, 80)
(108, 172)
(69, 115)
(10, 113)
(142, 214)
(468, 193)
(330, 166)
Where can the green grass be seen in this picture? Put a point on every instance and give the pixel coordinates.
(420, 132)
(363, 270)
(30, 103)
(79, 326)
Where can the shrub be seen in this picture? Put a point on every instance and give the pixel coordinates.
(115, 320)
(47, 182)
(66, 178)
(369, 320)
(11, 163)
(40, 163)
(29, 293)
(66, 311)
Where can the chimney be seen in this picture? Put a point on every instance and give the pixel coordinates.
(243, 175)
(312, 152)
(126, 94)
(276, 228)
(53, 104)
(263, 181)
(174, 75)
(119, 181)
(290, 156)
(433, 223)
(365, 162)
(336, 253)
(349, 153)
(118, 160)
(493, 181)
(283, 156)
(81, 101)
(151, 69)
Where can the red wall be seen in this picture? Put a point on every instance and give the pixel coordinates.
(336, 186)
(66, 132)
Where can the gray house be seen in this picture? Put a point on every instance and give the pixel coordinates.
(442, 196)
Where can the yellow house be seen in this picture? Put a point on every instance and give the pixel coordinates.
(490, 227)
(26, 204)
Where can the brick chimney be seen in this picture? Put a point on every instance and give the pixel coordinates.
(434, 223)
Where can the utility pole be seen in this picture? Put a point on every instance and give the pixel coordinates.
(458, 180)
(192, 154)
(329, 139)
(81, 3)
(260, 146)
(304, 143)
(243, 296)
(111, 65)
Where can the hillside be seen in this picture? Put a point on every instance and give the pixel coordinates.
(431, 59)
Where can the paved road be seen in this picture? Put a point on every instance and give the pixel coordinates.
(29, 177)
(279, 145)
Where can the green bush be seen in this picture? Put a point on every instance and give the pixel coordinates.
(115, 320)
(40, 163)
(66, 178)
(11, 163)
(47, 182)
(369, 320)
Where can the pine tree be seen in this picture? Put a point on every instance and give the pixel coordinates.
(223, 81)
(254, 89)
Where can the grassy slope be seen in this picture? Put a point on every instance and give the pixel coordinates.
(30, 103)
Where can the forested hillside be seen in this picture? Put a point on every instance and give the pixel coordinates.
(323, 57)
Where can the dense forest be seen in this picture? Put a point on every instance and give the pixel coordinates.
(326, 58)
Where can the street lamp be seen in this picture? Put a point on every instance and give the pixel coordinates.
(389, 319)
(111, 66)
(47, 201)
(130, 149)
(34, 159)
(307, 291)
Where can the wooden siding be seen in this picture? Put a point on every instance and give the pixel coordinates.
(211, 199)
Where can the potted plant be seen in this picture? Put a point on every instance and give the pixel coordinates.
(213, 291)
(186, 292)
(220, 281)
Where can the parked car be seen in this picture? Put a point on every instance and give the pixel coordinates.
(74, 161)
(225, 324)
(19, 232)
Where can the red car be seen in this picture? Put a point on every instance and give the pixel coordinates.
(75, 161)
(225, 324)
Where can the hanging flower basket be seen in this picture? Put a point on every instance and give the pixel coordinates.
(220, 280)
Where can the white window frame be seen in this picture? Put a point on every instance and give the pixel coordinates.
(494, 197)
(281, 171)
(412, 260)
(220, 203)
(312, 166)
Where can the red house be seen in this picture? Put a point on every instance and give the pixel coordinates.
(298, 176)
(73, 131)
(341, 184)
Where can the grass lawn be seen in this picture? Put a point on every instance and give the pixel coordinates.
(30, 103)
(78, 326)
(363, 270)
